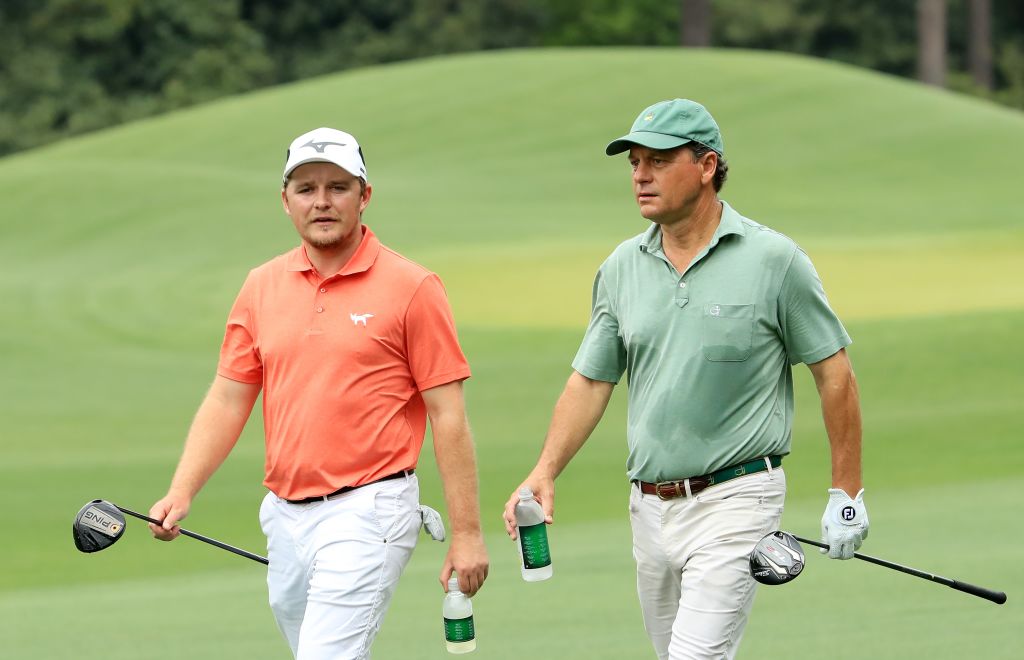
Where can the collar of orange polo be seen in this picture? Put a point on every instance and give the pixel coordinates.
(360, 262)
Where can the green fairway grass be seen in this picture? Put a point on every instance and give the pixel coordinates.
(121, 252)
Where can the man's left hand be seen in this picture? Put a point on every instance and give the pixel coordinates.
(845, 523)
(467, 557)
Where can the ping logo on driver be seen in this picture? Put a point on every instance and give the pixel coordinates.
(95, 519)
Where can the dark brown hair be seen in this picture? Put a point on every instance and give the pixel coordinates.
(722, 170)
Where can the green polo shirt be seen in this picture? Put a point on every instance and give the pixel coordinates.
(707, 352)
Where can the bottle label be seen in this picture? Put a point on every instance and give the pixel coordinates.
(533, 540)
(459, 630)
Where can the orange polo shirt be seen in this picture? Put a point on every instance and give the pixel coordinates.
(342, 362)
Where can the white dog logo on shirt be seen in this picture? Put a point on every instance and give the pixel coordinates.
(359, 318)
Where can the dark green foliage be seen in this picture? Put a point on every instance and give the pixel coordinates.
(877, 35)
(610, 23)
(310, 37)
(69, 66)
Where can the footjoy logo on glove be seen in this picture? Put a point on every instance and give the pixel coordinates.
(848, 513)
(359, 318)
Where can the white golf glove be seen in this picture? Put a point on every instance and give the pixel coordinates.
(432, 523)
(845, 523)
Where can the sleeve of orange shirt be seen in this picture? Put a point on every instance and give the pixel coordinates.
(239, 359)
(431, 342)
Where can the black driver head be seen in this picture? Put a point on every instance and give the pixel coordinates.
(776, 559)
(97, 526)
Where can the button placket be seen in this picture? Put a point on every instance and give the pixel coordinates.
(681, 296)
(320, 293)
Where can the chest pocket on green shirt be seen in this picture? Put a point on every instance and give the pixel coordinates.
(727, 332)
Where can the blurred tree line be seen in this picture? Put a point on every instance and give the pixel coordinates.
(70, 66)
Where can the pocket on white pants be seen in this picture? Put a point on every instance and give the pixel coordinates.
(773, 498)
(393, 508)
(265, 513)
(634, 496)
(762, 493)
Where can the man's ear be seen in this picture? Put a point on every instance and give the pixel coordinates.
(284, 201)
(709, 167)
(365, 201)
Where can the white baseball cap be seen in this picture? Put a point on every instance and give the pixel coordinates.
(326, 145)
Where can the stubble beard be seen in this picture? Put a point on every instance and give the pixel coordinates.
(317, 238)
(321, 243)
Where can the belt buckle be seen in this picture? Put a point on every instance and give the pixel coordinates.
(657, 490)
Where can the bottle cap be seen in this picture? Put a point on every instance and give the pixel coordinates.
(453, 584)
(525, 493)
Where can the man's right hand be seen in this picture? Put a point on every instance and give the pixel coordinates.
(171, 510)
(543, 491)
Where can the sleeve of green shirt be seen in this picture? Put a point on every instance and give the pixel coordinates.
(602, 355)
(811, 331)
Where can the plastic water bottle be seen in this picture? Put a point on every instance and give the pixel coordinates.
(534, 554)
(457, 609)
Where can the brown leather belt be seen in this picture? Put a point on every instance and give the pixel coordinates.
(345, 489)
(669, 490)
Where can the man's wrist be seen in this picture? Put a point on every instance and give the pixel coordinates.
(850, 487)
(544, 471)
(180, 492)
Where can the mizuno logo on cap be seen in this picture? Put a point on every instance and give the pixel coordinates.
(320, 146)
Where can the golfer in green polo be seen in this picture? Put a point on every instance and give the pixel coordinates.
(705, 312)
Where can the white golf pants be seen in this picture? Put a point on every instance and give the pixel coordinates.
(334, 565)
(692, 564)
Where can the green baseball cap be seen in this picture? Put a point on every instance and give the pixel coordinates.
(671, 124)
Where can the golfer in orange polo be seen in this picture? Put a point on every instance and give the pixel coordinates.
(353, 347)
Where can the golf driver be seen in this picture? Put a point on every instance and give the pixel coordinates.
(99, 524)
(776, 559)
(768, 565)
